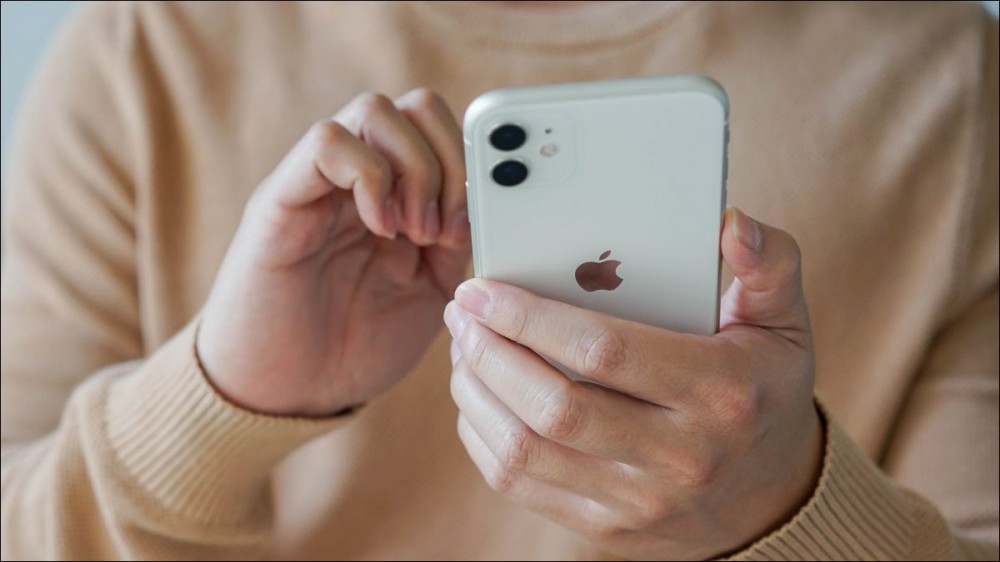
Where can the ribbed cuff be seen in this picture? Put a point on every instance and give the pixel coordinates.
(197, 454)
(856, 512)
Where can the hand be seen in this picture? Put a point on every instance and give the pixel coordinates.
(318, 306)
(695, 446)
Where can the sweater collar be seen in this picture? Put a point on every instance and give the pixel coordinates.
(510, 25)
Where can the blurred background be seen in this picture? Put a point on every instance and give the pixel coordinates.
(27, 29)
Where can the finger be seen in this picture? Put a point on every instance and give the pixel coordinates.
(431, 115)
(585, 417)
(643, 361)
(329, 157)
(377, 121)
(520, 450)
(767, 291)
(578, 513)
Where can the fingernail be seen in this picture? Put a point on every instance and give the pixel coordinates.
(473, 298)
(432, 221)
(389, 216)
(458, 229)
(455, 318)
(455, 353)
(748, 232)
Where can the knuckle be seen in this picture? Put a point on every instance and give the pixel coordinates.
(517, 318)
(326, 133)
(258, 203)
(377, 171)
(736, 403)
(609, 527)
(790, 265)
(517, 450)
(697, 471)
(425, 98)
(611, 531)
(456, 383)
(373, 103)
(479, 351)
(650, 510)
(562, 417)
(795, 252)
(603, 353)
(500, 479)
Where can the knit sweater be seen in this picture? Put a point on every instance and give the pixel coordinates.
(868, 131)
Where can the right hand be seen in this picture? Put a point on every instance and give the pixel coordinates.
(318, 306)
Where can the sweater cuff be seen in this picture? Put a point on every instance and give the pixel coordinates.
(855, 513)
(196, 453)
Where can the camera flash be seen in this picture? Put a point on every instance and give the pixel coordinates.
(548, 149)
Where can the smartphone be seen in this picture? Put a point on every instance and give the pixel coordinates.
(606, 195)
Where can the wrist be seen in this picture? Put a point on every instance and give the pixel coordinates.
(791, 486)
(246, 390)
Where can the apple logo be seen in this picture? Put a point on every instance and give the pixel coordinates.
(599, 276)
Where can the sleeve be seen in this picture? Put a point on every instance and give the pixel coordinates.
(936, 494)
(109, 450)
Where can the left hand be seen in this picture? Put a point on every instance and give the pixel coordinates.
(695, 447)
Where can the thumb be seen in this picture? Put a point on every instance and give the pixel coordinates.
(767, 289)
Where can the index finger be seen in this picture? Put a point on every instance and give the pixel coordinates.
(431, 115)
(650, 363)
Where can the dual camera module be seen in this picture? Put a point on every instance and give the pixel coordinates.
(509, 137)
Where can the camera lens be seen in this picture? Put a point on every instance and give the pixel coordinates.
(509, 173)
(508, 137)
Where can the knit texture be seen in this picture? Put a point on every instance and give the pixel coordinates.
(867, 130)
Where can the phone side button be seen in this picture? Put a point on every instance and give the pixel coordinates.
(470, 204)
(725, 185)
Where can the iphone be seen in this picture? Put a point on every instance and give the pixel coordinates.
(607, 195)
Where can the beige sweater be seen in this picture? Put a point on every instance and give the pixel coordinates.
(869, 131)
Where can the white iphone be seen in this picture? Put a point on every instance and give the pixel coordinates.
(606, 195)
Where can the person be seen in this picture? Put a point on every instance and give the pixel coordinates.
(228, 266)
